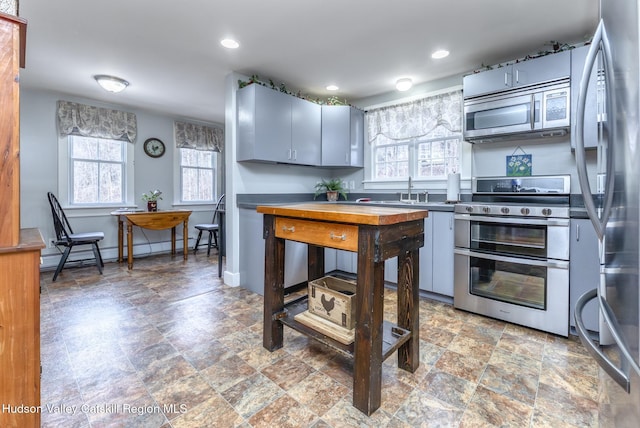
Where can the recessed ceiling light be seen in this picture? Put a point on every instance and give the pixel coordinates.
(404, 84)
(439, 54)
(332, 88)
(229, 43)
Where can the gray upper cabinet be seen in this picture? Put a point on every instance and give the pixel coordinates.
(305, 132)
(537, 70)
(594, 108)
(342, 136)
(277, 127)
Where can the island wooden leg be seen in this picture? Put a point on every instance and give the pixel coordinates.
(409, 309)
(129, 245)
(185, 239)
(367, 376)
(315, 257)
(272, 336)
(120, 239)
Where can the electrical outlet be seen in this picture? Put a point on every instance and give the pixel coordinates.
(52, 243)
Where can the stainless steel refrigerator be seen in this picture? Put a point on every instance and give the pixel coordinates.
(615, 214)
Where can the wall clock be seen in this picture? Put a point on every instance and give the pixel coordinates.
(154, 147)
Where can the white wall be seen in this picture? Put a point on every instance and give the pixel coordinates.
(39, 175)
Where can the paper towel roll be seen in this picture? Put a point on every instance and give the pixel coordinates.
(453, 187)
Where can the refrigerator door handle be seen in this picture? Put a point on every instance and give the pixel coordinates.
(612, 370)
(599, 39)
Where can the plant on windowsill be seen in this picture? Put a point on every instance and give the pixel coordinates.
(333, 188)
(151, 199)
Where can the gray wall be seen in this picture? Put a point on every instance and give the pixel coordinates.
(39, 175)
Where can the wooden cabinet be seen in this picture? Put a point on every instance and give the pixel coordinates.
(277, 127)
(537, 70)
(342, 136)
(584, 271)
(19, 252)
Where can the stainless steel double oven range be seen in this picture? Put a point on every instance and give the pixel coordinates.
(512, 251)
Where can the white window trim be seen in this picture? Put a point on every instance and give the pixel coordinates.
(177, 182)
(369, 183)
(64, 186)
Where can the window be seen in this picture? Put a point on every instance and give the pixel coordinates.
(97, 170)
(197, 174)
(420, 139)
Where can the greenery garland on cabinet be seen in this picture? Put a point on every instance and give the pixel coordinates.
(330, 101)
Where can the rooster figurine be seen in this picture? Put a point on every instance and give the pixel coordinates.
(328, 304)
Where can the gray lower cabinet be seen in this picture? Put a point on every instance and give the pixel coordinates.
(252, 255)
(436, 256)
(277, 127)
(584, 271)
(342, 136)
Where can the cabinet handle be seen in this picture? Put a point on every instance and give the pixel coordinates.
(577, 232)
(506, 79)
(289, 154)
(517, 76)
(346, 158)
(342, 237)
(295, 155)
(288, 229)
(451, 223)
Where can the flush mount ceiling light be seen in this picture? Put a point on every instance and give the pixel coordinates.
(111, 83)
(332, 88)
(229, 43)
(404, 84)
(439, 54)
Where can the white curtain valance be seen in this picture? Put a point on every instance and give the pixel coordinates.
(97, 122)
(198, 137)
(417, 119)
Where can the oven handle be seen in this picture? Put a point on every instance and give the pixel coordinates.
(558, 264)
(515, 220)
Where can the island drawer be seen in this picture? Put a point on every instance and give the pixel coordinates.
(340, 236)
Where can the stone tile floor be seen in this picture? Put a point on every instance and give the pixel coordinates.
(169, 345)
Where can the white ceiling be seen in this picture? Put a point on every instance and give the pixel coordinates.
(170, 53)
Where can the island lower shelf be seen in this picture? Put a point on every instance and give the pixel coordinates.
(392, 336)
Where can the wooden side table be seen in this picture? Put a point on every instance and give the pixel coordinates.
(376, 234)
(154, 220)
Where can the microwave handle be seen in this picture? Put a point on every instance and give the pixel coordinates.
(600, 37)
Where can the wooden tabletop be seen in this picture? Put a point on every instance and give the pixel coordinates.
(345, 213)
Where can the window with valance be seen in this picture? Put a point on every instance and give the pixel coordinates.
(198, 137)
(96, 122)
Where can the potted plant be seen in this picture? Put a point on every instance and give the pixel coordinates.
(332, 187)
(152, 199)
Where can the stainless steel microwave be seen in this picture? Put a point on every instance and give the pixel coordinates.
(533, 112)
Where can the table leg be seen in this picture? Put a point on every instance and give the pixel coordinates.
(409, 309)
(185, 239)
(173, 241)
(120, 239)
(367, 376)
(272, 335)
(315, 264)
(221, 244)
(129, 245)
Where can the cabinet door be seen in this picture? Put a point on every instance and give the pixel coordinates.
(542, 69)
(336, 131)
(592, 106)
(426, 256)
(357, 137)
(264, 124)
(487, 82)
(584, 271)
(442, 233)
(305, 132)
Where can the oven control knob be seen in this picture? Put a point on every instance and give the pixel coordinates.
(546, 211)
(469, 209)
(504, 210)
(486, 210)
(525, 211)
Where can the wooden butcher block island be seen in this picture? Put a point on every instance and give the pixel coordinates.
(376, 234)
